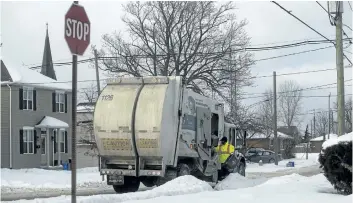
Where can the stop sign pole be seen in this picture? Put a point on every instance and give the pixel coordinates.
(77, 36)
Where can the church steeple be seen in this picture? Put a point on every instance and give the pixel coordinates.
(47, 63)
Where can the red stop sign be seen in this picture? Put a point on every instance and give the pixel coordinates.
(77, 29)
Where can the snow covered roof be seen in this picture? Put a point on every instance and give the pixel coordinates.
(51, 122)
(261, 135)
(28, 77)
(344, 138)
(85, 107)
(321, 138)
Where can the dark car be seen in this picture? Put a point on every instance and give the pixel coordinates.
(266, 156)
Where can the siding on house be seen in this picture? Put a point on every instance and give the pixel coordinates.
(5, 127)
(30, 118)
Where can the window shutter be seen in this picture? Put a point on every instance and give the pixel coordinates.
(21, 98)
(66, 147)
(21, 141)
(55, 136)
(34, 100)
(35, 141)
(65, 103)
(53, 101)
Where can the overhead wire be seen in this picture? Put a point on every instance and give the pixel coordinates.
(290, 13)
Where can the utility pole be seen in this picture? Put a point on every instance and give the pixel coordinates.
(97, 71)
(311, 129)
(340, 69)
(314, 124)
(329, 116)
(275, 117)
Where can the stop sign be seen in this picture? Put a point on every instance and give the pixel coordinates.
(77, 29)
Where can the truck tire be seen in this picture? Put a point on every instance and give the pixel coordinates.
(183, 170)
(149, 181)
(241, 169)
(131, 184)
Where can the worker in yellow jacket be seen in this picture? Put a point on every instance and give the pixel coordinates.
(224, 149)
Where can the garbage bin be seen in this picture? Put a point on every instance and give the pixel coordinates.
(66, 166)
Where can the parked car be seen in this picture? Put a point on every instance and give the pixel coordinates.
(266, 156)
(253, 151)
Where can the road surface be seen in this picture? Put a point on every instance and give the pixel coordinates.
(12, 195)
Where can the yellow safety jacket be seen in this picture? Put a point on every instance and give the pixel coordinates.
(224, 151)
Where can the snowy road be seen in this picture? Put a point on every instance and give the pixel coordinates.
(11, 195)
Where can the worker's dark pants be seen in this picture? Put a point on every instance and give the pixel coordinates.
(223, 172)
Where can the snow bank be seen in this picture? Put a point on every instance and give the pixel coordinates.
(236, 181)
(299, 162)
(290, 189)
(344, 138)
(40, 178)
(180, 186)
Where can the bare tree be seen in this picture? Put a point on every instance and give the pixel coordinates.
(290, 96)
(321, 124)
(198, 40)
(265, 111)
(85, 129)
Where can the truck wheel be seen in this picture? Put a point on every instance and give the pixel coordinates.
(241, 169)
(183, 170)
(131, 184)
(149, 181)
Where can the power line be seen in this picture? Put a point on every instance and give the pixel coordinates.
(292, 54)
(298, 73)
(349, 3)
(290, 13)
(330, 16)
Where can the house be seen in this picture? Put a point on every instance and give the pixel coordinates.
(292, 131)
(84, 126)
(316, 143)
(260, 140)
(35, 116)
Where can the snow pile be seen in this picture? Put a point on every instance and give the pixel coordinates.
(180, 186)
(236, 181)
(290, 189)
(299, 162)
(40, 178)
(344, 138)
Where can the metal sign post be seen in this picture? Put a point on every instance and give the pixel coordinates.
(77, 36)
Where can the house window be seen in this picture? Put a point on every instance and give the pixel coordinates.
(28, 141)
(62, 141)
(60, 102)
(27, 99)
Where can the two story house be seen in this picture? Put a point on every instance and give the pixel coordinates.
(35, 119)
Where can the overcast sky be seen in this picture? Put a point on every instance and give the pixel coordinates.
(23, 27)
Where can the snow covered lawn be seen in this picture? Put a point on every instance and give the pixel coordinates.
(40, 178)
(290, 189)
(299, 162)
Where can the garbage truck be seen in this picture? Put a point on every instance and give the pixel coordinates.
(151, 130)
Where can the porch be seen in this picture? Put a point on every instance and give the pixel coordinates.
(53, 142)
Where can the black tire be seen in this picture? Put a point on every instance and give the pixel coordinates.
(271, 161)
(241, 169)
(149, 181)
(183, 170)
(131, 184)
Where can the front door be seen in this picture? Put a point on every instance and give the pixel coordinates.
(43, 148)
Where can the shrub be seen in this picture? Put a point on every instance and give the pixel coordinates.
(336, 161)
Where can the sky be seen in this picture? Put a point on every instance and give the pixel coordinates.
(23, 28)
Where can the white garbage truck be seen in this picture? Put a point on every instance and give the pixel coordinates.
(154, 129)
